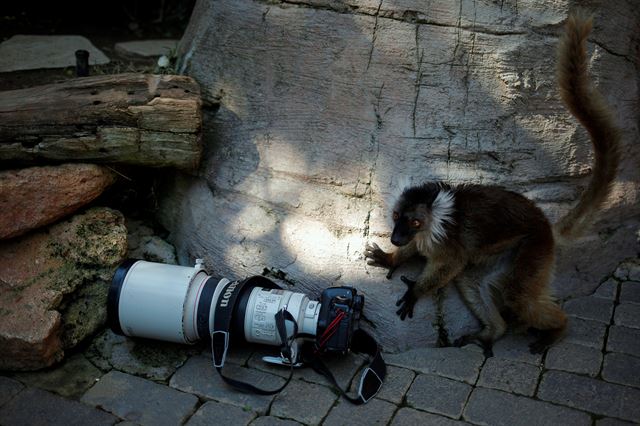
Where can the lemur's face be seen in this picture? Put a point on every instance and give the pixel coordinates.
(408, 221)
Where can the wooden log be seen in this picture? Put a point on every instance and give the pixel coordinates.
(134, 119)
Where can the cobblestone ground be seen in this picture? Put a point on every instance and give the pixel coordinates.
(591, 378)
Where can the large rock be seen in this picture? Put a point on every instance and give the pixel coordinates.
(37, 196)
(325, 107)
(152, 359)
(53, 287)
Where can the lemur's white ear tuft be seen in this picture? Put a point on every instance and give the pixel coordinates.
(401, 183)
(441, 214)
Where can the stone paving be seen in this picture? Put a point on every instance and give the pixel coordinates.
(592, 377)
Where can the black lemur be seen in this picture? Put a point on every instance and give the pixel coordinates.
(458, 227)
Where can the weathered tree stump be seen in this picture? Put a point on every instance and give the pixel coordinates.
(327, 107)
(135, 119)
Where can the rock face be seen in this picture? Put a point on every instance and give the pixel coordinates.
(37, 196)
(327, 107)
(143, 244)
(53, 287)
(147, 47)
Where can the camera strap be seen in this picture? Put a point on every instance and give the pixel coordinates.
(220, 336)
(373, 375)
(361, 342)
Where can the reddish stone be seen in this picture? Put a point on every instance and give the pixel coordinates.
(37, 196)
(43, 273)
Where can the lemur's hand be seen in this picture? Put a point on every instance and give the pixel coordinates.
(378, 257)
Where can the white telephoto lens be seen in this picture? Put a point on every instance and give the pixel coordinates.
(157, 301)
(264, 304)
(178, 304)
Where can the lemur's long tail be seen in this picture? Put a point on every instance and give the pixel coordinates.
(589, 107)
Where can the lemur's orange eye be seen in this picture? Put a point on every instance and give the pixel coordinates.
(415, 223)
(396, 216)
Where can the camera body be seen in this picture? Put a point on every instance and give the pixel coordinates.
(341, 306)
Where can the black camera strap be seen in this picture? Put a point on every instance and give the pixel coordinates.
(220, 336)
(372, 377)
(361, 342)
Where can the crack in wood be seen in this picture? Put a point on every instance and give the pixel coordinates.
(419, 60)
(373, 37)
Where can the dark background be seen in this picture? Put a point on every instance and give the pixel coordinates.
(104, 23)
(118, 19)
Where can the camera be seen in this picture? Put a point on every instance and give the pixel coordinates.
(341, 305)
(180, 304)
(185, 305)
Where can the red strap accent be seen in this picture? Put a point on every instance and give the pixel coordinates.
(331, 329)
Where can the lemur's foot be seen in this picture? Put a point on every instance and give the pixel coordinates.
(487, 346)
(545, 339)
(406, 303)
(410, 283)
(390, 273)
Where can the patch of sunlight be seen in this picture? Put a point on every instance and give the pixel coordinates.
(310, 240)
(254, 221)
(281, 155)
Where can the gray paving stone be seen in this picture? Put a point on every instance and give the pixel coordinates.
(590, 308)
(634, 271)
(454, 363)
(608, 421)
(139, 400)
(493, 407)
(585, 332)
(438, 395)
(147, 47)
(374, 412)
(220, 413)
(627, 315)
(273, 421)
(625, 340)
(628, 270)
(343, 368)
(71, 379)
(305, 402)
(395, 385)
(409, 417)
(238, 354)
(607, 290)
(27, 52)
(574, 358)
(37, 407)
(199, 377)
(591, 395)
(8, 389)
(621, 368)
(510, 376)
(630, 292)
(516, 347)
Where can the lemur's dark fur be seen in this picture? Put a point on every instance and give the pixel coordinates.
(457, 228)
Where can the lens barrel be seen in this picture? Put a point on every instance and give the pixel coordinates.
(156, 301)
(178, 304)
